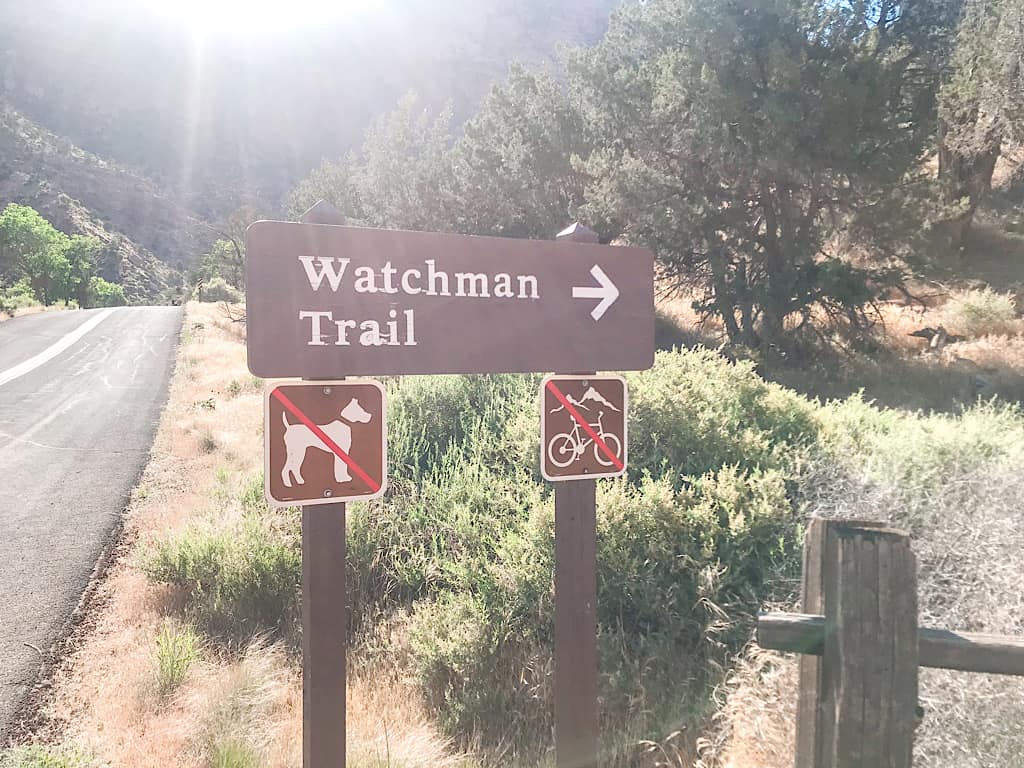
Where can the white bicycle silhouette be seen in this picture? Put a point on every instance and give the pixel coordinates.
(565, 447)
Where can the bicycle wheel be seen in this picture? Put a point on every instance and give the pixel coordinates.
(562, 450)
(613, 445)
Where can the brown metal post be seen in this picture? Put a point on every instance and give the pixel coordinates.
(576, 717)
(324, 603)
(324, 612)
(576, 712)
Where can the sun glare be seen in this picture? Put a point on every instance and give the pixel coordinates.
(251, 17)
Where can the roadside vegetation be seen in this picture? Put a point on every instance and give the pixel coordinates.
(841, 334)
(41, 266)
(195, 660)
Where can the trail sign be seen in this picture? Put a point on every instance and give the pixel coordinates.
(330, 301)
(583, 427)
(325, 442)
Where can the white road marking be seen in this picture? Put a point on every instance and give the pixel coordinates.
(6, 377)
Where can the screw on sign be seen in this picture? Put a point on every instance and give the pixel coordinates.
(583, 427)
(325, 442)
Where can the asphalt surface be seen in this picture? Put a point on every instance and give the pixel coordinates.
(80, 397)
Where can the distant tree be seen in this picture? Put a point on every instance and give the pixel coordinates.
(101, 293)
(226, 257)
(512, 168)
(735, 138)
(225, 260)
(403, 180)
(81, 252)
(333, 181)
(30, 248)
(981, 103)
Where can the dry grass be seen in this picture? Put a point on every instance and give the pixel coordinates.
(902, 371)
(35, 309)
(233, 707)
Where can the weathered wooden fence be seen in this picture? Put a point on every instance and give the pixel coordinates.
(862, 647)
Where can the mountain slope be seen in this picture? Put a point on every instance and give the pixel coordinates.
(230, 117)
(150, 236)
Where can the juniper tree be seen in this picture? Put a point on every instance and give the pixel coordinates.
(981, 103)
(736, 138)
(512, 171)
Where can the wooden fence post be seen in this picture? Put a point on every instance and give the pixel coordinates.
(812, 599)
(866, 686)
(862, 647)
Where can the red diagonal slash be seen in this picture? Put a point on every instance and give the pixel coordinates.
(586, 426)
(326, 440)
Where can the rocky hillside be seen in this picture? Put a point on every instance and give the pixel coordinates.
(116, 121)
(150, 236)
(230, 117)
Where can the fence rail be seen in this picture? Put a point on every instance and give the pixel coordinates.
(937, 648)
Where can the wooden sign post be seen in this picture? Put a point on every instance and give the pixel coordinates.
(326, 301)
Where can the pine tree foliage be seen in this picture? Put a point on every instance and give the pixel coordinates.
(512, 173)
(735, 138)
(981, 102)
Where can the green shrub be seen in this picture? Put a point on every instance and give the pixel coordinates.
(430, 416)
(218, 289)
(680, 576)
(236, 582)
(177, 649)
(232, 752)
(456, 654)
(105, 294)
(427, 537)
(694, 412)
(253, 498)
(38, 756)
(17, 296)
(980, 312)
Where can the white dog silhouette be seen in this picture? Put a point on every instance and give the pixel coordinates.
(298, 438)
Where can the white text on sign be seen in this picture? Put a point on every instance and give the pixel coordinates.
(325, 272)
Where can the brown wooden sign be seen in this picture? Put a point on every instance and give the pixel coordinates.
(331, 301)
(325, 442)
(583, 427)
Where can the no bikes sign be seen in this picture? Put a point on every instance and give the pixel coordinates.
(583, 427)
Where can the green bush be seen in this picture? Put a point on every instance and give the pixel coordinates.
(218, 289)
(462, 546)
(980, 312)
(430, 416)
(680, 576)
(38, 756)
(104, 294)
(177, 649)
(231, 752)
(237, 582)
(427, 537)
(694, 412)
(17, 296)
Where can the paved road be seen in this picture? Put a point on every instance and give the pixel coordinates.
(80, 396)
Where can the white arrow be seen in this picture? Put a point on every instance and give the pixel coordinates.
(606, 292)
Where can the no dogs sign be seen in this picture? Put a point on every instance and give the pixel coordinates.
(325, 442)
(583, 427)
